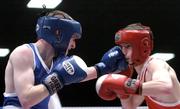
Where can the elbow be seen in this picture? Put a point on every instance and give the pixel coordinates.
(25, 102)
(166, 88)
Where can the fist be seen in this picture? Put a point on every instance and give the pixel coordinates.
(113, 60)
(109, 86)
(103, 89)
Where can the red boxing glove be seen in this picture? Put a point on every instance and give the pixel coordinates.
(128, 72)
(109, 86)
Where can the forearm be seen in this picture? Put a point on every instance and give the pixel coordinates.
(91, 74)
(156, 88)
(132, 102)
(127, 103)
(34, 95)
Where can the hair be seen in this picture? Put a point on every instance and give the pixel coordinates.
(59, 14)
(139, 26)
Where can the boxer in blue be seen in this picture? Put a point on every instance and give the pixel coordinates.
(36, 71)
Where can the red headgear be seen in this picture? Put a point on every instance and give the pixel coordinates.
(140, 38)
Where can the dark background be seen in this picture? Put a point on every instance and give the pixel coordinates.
(100, 20)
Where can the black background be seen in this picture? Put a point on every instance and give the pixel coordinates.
(100, 20)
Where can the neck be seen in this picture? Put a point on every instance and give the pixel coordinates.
(46, 51)
(139, 68)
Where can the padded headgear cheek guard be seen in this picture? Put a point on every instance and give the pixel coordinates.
(141, 42)
(57, 32)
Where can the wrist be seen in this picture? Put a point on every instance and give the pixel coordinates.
(52, 83)
(99, 68)
(123, 97)
(139, 89)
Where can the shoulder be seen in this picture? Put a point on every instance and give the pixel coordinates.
(160, 68)
(21, 53)
(157, 63)
(156, 67)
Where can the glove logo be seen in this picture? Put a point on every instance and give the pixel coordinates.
(37, 27)
(46, 27)
(131, 83)
(68, 67)
(112, 54)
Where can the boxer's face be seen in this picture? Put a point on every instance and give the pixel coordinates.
(127, 51)
(72, 43)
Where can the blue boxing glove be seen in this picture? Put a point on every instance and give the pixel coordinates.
(68, 71)
(112, 61)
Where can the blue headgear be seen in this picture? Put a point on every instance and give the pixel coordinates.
(57, 32)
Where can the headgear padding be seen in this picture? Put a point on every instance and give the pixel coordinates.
(57, 32)
(140, 38)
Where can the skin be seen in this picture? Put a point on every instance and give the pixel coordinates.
(19, 74)
(161, 82)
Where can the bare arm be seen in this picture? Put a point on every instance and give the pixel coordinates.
(22, 62)
(91, 74)
(158, 83)
(132, 102)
